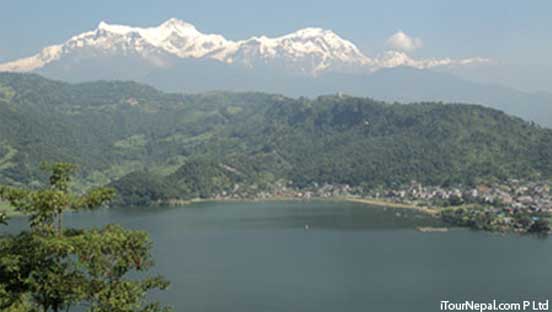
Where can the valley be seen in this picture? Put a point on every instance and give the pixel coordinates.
(155, 147)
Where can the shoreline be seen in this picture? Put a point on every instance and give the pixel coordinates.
(385, 203)
(370, 202)
(366, 201)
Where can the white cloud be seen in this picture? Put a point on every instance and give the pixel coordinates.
(403, 42)
(400, 44)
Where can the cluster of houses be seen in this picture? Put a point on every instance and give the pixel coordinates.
(513, 205)
(285, 189)
(509, 195)
(512, 194)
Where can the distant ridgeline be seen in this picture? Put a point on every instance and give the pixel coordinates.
(154, 146)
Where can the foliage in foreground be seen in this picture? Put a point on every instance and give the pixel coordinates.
(53, 268)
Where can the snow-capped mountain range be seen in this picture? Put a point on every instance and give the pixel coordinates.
(310, 51)
(177, 57)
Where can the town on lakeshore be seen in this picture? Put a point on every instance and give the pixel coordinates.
(509, 206)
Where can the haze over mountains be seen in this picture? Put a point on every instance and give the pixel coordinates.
(175, 56)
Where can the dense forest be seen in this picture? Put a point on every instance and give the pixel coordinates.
(153, 146)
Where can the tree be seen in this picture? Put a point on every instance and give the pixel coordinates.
(3, 218)
(51, 268)
(541, 226)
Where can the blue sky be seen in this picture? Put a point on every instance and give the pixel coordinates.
(513, 32)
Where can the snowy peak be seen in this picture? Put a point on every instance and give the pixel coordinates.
(47, 55)
(153, 34)
(320, 41)
(392, 59)
(173, 36)
(176, 23)
(310, 50)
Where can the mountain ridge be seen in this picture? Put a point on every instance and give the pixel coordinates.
(175, 56)
(310, 50)
(114, 128)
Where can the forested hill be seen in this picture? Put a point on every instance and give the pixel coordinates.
(172, 143)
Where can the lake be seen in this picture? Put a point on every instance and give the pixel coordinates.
(327, 256)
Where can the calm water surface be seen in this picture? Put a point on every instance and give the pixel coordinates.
(261, 257)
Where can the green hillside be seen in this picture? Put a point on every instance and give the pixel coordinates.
(174, 145)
